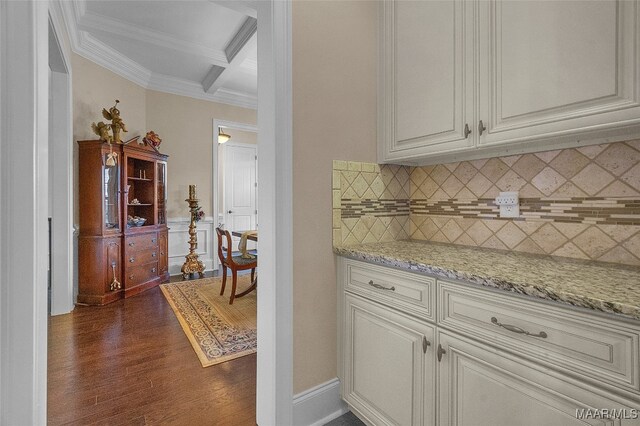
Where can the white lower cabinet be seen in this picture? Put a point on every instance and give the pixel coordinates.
(481, 386)
(403, 368)
(389, 364)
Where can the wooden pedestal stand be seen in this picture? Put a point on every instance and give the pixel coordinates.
(192, 264)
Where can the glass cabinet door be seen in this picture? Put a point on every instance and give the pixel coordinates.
(162, 192)
(111, 193)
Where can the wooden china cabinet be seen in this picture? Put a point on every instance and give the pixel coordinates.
(117, 256)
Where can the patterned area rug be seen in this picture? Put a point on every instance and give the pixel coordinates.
(217, 331)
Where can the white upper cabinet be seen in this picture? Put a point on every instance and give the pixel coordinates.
(426, 70)
(521, 75)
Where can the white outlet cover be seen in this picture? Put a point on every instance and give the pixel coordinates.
(509, 203)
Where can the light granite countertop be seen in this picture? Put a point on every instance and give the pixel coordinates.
(600, 286)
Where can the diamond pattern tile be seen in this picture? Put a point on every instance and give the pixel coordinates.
(548, 180)
(592, 179)
(618, 158)
(557, 185)
(569, 162)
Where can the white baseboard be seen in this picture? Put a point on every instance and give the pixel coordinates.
(318, 405)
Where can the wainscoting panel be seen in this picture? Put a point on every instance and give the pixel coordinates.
(179, 243)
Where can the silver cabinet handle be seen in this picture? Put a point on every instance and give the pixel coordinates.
(153, 254)
(425, 344)
(481, 128)
(381, 287)
(467, 131)
(153, 269)
(131, 276)
(131, 259)
(441, 351)
(518, 330)
(131, 244)
(153, 240)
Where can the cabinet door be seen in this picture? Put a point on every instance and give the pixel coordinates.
(481, 386)
(388, 364)
(426, 77)
(553, 69)
(112, 265)
(163, 247)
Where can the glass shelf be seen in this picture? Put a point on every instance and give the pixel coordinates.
(141, 179)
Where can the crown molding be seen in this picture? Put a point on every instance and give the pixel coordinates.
(90, 21)
(177, 86)
(87, 46)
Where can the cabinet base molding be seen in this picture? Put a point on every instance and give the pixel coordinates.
(319, 405)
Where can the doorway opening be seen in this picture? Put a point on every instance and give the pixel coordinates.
(235, 179)
(60, 174)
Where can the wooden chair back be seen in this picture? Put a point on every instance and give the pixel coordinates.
(224, 245)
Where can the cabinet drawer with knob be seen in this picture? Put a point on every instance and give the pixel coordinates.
(141, 274)
(411, 293)
(140, 242)
(141, 257)
(591, 347)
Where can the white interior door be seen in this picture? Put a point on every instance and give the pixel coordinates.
(240, 189)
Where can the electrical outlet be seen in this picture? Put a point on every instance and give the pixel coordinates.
(509, 203)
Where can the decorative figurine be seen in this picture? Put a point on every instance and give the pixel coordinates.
(101, 129)
(117, 125)
(152, 138)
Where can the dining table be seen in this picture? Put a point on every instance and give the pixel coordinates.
(253, 237)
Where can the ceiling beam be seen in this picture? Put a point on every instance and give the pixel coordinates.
(236, 54)
(249, 8)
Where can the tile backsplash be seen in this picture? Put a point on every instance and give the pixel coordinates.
(581, 203)
(370, 202)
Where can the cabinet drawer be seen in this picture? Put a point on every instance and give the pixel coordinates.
(140, 257)
(141, 274)
(588, 346)
(140, 242)
(411, 293)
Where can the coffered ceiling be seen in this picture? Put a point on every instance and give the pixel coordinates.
(201, 49)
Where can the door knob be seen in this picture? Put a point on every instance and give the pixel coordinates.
(230, 211)
(467, 131)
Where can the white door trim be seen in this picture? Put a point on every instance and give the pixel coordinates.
(24, 104)
(61, 156)
(274, 393)
(214, 186)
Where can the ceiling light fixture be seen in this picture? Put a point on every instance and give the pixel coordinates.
(222, 136)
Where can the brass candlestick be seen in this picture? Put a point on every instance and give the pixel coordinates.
(192, 264)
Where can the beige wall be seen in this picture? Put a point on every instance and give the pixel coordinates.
(186, 127)
(95, 88)
(334, 117)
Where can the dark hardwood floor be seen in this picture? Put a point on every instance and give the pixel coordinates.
(130, 363)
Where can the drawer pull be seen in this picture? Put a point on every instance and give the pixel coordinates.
(425, 344)
(131, 259)
(131, 276)
(153, 240)
(381, 287)
(518, 330)
(441, 351)
(153, 254)
(131, 244)
(153, 269)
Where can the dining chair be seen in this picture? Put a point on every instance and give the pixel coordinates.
(235, 263)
